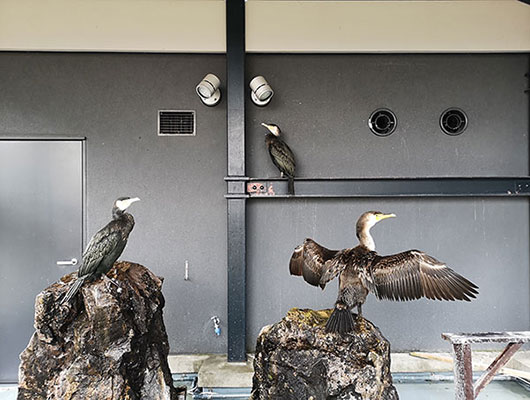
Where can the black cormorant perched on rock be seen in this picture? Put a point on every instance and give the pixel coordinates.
(281, 154)
(404, 276)
(105, 246)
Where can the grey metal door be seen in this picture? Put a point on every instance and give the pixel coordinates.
(41, 223)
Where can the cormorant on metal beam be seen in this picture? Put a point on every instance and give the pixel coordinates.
(404, 276)
(281, 154)
(105, 246)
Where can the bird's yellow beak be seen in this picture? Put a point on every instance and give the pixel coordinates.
(125, 204)
(380, 217)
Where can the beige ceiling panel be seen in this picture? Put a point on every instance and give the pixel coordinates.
(388, 26)
(113, 25)
(272, 26)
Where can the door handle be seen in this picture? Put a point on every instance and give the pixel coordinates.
(73, 261)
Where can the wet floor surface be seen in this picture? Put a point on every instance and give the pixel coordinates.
(497, 390)
(445, 391)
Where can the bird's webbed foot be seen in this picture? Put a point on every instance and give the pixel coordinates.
(92, 278)
(359, 320)
(114, 282)
(359, 311)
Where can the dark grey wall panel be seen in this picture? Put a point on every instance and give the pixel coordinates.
(113, 101)
(322, 104)
(485, 240)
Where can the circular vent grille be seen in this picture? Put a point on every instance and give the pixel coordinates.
(453, 121)
(382, 122)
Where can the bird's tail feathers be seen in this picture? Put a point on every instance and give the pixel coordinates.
(290, 185)
(340, 321)
(73, 289)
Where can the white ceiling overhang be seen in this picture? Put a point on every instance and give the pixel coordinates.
(198, 26)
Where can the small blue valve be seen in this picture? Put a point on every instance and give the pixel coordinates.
(216, 325)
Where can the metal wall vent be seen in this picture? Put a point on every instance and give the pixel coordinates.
(382, 122)
(453, 121)
(176, 123)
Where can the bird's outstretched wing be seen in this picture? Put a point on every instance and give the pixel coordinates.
(334, 266)
(101, 244)
(310, 260)
(413, 274)
(282, 157)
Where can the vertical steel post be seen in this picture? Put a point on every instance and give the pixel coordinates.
(236, 198)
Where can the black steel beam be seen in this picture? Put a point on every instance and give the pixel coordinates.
(235, 87)
(391, 187)
(236, 280)
(236, 207)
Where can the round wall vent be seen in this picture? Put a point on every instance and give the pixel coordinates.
(453, 121)
(382, 122)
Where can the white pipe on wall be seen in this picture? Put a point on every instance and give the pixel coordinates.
(198, 26)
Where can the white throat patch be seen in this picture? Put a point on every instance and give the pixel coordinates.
(372, 220)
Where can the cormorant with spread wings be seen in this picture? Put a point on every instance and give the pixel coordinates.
(404, 276)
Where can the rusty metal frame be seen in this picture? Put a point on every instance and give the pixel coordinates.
(463, 367)
(499, 362)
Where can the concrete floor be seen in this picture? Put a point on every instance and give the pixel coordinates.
(8, 392)
(445, 391)
(497, 390)
(214, 371)
(224, 378)
(413, 391)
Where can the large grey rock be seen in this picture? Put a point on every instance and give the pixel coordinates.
(296, 359)
(108, 344)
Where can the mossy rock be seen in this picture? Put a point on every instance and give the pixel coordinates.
(296, 359)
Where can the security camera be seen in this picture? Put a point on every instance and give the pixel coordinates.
(208, 90)
(260, 91)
